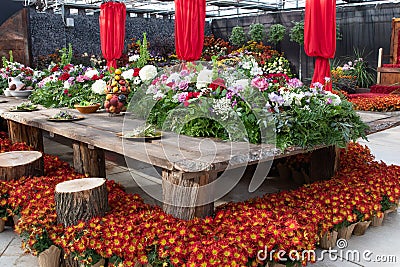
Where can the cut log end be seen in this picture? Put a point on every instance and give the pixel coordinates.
(17, 158)
(15, 164)
(79, 185)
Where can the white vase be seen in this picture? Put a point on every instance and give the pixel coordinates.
(7, 93)
(15, 81)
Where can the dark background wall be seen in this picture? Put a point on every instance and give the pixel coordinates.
(365, 27)
(8, 8)
(50, 33)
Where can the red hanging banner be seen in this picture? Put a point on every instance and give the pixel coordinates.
(320, 36)
(112, 31)
(190, 18)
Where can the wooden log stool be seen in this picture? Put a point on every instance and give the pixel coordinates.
(15, 164)
(80, 200)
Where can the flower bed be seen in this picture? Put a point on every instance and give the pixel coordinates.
(133, 231)
(374, 102)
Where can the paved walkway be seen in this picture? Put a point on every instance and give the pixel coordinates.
(377, 242)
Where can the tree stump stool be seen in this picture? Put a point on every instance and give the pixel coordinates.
(15, 164)
(80, 200)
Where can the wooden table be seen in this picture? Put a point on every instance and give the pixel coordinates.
(185, 173)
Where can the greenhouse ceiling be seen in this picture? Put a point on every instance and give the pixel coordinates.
(165, 8)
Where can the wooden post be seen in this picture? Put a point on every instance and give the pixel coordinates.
(89, 160)
(378, 76)
(15, 164)
(80, 200)
(324, 163)
(23, 133)
(183, 196)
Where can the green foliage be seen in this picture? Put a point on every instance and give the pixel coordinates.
(386, 203)
(238, 36)
(257, 32)
(144, 54)
(42, 243)
(296, 33)
(276, 33)
(321, 125)
(11, 56)
(54, 95)
(66, 55)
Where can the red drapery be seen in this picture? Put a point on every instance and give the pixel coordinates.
(189, 28)
(320, 36)
(112, 31)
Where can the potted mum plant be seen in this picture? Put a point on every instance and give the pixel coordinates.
(38, 242)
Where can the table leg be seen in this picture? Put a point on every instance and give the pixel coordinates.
(32, 136)
(89, 160)
(184, 194)
(324, 163)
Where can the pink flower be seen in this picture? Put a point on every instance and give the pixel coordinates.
(260, 83)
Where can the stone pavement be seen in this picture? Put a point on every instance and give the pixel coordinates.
(377, 242)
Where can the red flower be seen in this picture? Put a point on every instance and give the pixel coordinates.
(219, 82)
(136, 72)
(64, 76)
(65, 91)
(55, 68)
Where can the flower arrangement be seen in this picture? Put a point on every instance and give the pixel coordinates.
(133, 231)
(67, 85)
(302, 116)
(353, 72)
(214, 47)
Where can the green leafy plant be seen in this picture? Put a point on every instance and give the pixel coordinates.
(257, 32)
(66, 55)
(144, 54)
(296, 33)
(276, 33)
(238, 36)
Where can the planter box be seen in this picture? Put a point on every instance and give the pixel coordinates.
(346, 232)
(328, 240)
(361, 227)
(50, 257)
(376, 221)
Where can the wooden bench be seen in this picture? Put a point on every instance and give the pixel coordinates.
(184, 174)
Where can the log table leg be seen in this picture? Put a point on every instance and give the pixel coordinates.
(324, 163)
(183, 194)
(80, 200)
(89, 160)
(24, 133)
(15, 164)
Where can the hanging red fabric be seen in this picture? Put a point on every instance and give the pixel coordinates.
(190, 18)
(112, 31)
(320, 37)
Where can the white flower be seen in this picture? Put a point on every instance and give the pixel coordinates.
(148, 73)
(128, 74)
(90, 73)
(67, 85)
(133, 58)
(204, 78)
(99, 87)
(137, 81)
(222, 107)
